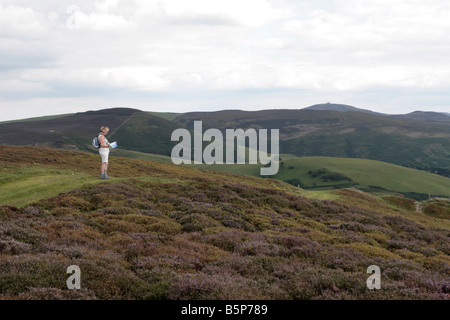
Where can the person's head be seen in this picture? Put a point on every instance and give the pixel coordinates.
(104, 129)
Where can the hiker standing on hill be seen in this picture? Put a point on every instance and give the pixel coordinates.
(104, 151)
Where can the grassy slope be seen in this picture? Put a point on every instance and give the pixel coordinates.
(141, 155)
(24, 168)
(23, 185)
(367, 173)
(160, 231)
(364, 173)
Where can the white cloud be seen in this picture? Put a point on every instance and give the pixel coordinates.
(21, 22)
(106, 6)
(249, 12)
(78, 20)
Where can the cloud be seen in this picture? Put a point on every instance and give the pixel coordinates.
(248, 13)
(172, 49)
(21, 22)
(78, 20)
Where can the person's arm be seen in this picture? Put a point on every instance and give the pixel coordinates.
(102, 142)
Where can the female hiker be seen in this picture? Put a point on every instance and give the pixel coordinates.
(104, 151)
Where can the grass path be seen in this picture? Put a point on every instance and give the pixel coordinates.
(22, 186)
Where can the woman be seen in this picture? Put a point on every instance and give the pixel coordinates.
(104, 151)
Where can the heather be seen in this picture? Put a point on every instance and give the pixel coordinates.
(167, 232)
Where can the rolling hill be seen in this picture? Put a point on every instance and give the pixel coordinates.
(416, 140)
(325, 173)
(144, 132)
(135, 129)
(427, 116)
(338, 107)
(160, 231)
(414, 143)
(369, 175)
(73, 131)
(321, 173)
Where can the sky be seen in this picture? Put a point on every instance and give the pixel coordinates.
(67, 56)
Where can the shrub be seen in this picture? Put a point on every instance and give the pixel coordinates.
(298, 246)
(11, 246)
(196, 222)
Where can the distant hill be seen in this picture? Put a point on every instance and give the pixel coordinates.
(337, 107)
(145, 132)
(73, 131)
(416, 140)
(426, 116)
(134, 129)
(408, 142)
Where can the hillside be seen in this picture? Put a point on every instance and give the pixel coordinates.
(333, 173)
(427, 116)
(417, 140)
(326, 172)
(414, 143)
(135, 129)
(160, 231)
(144, 132)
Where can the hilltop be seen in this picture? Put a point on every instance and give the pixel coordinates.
(338, 107)
(160, 231)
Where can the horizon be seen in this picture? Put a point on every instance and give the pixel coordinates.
(210, 55)
(218, 110)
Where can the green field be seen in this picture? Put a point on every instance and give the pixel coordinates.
(370, 175)
(366, 173)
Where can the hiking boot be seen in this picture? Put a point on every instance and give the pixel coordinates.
(106, 176)
(103, 176)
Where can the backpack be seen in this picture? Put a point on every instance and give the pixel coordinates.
(96, 142)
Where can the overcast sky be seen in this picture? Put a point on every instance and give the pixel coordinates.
(56, 57)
